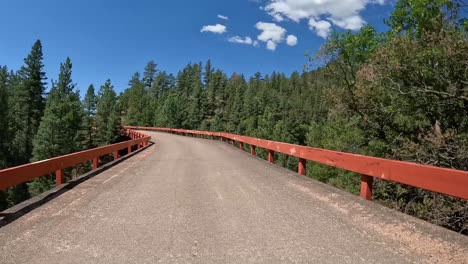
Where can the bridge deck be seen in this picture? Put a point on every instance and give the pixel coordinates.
(186, 200)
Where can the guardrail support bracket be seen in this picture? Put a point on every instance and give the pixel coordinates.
(59, 177)
(366, 187)
(271, 156)
(95, 163)
(301, 167)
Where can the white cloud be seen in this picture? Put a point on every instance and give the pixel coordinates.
(321, 27)
(218, 29)
(353, 22)
(223, 17)
(270, 31)
(240, 40)
(255, 43)
(273, 35)
(342, 13)
(291, 40)
(271, 45)
(277, 17)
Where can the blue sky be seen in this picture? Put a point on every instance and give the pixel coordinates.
(113, 39)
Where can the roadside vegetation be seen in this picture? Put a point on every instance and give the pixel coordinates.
(35, 125)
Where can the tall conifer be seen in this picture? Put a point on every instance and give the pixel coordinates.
(107, 115)
(60, 129)
(89, 124)
(27, 103)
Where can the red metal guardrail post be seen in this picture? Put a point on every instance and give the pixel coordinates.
(252, 150)
(366, 187)
(301, 167)
(271, 156)
(59, 177)
(241, 145)
(116, 155)
(95, 163)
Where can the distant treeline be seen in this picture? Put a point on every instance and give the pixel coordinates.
(400, 94)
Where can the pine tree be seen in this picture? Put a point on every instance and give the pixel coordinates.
(4, 136)
(107, 115)
(208, 73)
(27, 103)
(26, 106)
(233, 114)
(171, 112)
(138, 112)
(149, 74)
(60, 129)
(89, 124)
(195, 98)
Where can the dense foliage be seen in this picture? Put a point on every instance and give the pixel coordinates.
(400, 94)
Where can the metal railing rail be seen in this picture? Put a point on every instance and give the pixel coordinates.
(442, 180)
(10, 177)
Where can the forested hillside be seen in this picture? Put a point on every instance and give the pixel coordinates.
(400, 94)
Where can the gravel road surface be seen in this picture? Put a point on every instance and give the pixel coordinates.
(190, 200)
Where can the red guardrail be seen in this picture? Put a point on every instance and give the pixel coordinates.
(437, 179)
(16, 175)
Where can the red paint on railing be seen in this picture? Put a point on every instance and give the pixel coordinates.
(16, 175)
(442, 180)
